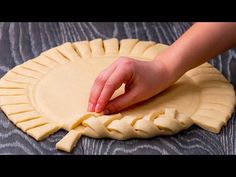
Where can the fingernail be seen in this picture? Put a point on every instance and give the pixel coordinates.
(91, 107)
(106, 111)
(98, 108)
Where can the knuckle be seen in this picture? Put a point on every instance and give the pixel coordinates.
(92, 99)
(100, 80)
(100, 102)
(135, 96)
(131, 98)
(125, 61)
(127, 64)
(109, 85)
(121, 58)
(114, 107)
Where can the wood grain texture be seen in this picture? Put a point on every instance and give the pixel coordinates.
(22, 41)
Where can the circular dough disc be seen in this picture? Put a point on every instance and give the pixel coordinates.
(51, 92)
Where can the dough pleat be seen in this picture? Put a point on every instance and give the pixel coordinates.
(207, 123)
(12, 100)
(140, 47)
(16, 108)
(12, 92)
(45, 61)
(32, 65)
(200, 70)
(5, 84)
(29, 124)
(111, 47)
(218, 91)
(68, 51)
(12, 76)
(42, 132)
(97, 48)
(217, 98)
(126, 46)
(153, 51)
(212, 98)
(55, 55)
(208, 77)
(24, 116)
(216, 107)
(213, 114)
(83, 49)
(27, 72)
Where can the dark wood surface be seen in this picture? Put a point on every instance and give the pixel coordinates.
(22, 41)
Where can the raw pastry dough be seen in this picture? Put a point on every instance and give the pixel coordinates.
(50, 92)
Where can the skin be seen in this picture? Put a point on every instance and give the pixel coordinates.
(144, 79)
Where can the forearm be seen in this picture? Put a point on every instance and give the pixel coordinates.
(199, 44)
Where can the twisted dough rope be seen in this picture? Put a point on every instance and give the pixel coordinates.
(16, 96)
(121, 128)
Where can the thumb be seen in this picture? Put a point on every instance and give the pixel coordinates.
(123, 101)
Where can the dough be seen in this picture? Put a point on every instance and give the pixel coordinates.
(50, 92)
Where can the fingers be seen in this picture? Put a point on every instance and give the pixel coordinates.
(108, 82)
(118, 77)
(98, 86)
(122, 102)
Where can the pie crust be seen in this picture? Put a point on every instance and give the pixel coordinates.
(50, 92)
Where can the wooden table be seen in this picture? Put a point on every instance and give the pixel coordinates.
(22, 41)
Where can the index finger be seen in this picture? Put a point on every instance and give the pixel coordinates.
(118, 77)
(98, 86)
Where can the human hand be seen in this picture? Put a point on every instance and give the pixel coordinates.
(142, 79)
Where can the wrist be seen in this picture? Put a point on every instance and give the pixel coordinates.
(170, 63)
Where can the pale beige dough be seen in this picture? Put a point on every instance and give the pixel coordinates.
(50, 92)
